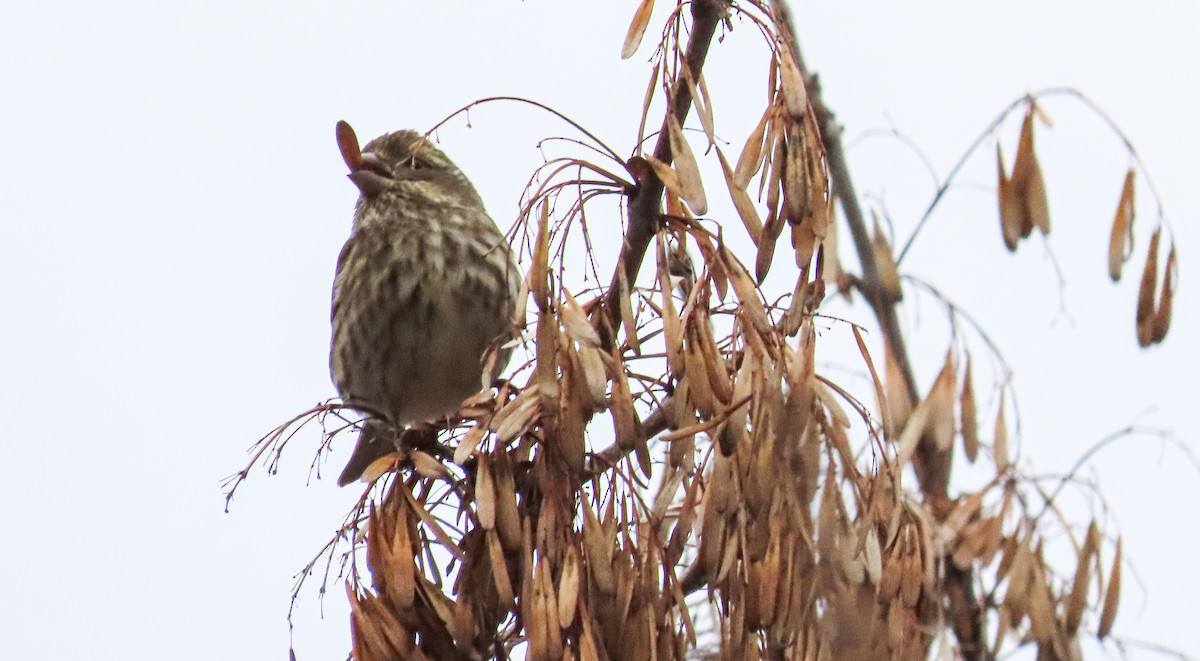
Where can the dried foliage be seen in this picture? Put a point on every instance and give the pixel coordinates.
(668, 464)
(1023, 204)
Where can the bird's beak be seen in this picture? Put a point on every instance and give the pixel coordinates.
(370, 175)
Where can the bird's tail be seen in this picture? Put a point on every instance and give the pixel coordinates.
(377, 439)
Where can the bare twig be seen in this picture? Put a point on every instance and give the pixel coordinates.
(1132, 430)
(467, 108)
(995, 124)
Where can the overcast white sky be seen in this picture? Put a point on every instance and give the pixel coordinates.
(173, 202)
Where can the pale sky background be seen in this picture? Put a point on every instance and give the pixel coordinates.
(173, 202)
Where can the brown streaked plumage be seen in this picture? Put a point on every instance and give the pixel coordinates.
(425, 285)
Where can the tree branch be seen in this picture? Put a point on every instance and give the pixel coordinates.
(931, 464)
(645, 203)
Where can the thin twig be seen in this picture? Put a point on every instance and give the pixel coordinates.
(995, 124)
(607, 150)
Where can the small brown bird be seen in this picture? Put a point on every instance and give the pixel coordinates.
(425, 286)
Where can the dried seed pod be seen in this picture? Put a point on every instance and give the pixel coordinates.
(1022, 197)
(752, 306)
(573, 413)
(970, 427)
(398, 555)
(1112, 596)
(1027, 177)
(804, 242)
(899, 405)
(835, 275)
(910, 581)
(1042, 625)
(514, 417)
(1000, 440)
(791, 83)
(873, 555)
(672, 328)
(774, 174)
(539, 271)
(1011, 216)
(1120, 240)
(568, 588)
(540, 613)
(820, 209)
(381, 466)
(941, 398)
(347, 143)
(598, 547)
(625, 422)
(1162, 314)
(889, 582)
(1076, 601)
(637, 28)
(766, 246)
(589, 648)
(508, 519)
(734, 428)
(897, 623)
(546, 370)
(688, 170)
(427, 466)
(470, 441)
(499, 570)
(1036, 205)
(932, 417)
(852, 564)
(485, 494)
(714, 364)
(575, 321)
(665, 173)
(701, 101)
(885, 263)
(1145, 301)
(716, 270)
(591, 363)
(1020, 572)
(741, 201)
(751, 159)
(979, 541)
(699, 393)
(795, 177)
(764, 581)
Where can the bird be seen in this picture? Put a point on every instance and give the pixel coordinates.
(425, 290)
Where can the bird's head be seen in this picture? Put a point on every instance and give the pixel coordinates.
(403, 163)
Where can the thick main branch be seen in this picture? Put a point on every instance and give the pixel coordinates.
(932, 464)
(645, 203)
